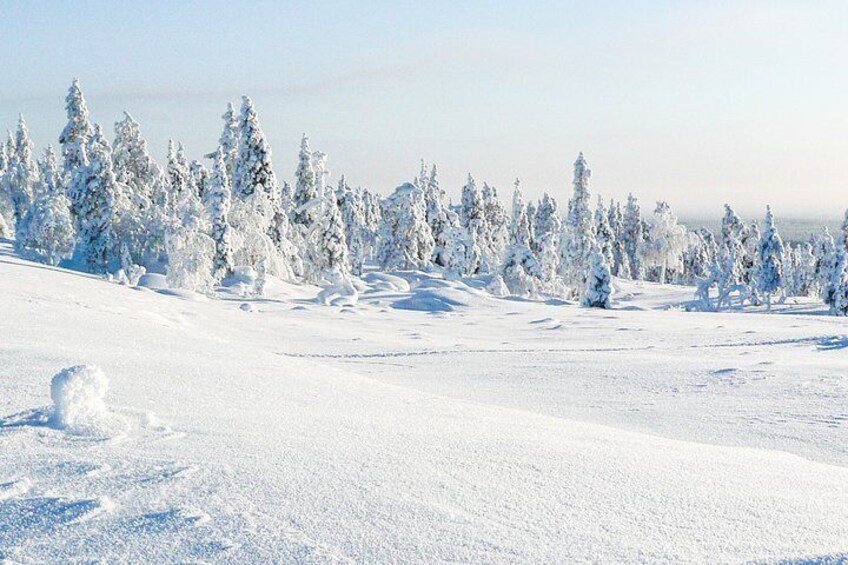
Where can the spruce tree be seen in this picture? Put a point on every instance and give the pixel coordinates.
(579, 237)
(94, 192)
(599, 282)
(21, 177)
(769, 260)
(74, 137)
(219, 200)
(632, 231)
(306, 195)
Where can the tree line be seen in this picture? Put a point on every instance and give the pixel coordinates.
(108, 207)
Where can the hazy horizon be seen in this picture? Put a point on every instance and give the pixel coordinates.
(697, 104)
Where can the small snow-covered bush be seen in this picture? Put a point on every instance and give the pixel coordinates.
(78, 394)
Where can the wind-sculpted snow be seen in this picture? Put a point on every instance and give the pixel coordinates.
(501, 431)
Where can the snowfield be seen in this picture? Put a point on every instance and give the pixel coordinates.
(414, 419)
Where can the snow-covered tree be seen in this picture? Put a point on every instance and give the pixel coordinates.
(49, 175)
(219, 201)
(322, 176)
(405, 239)
(47, 228)
(177, 171)
(229, 140)
(146, 191)
(437, 214)
(579, 233)
(620, 266)
(599, 282)
(845, 230)
(750, 243)
(769, 260)
(74, 137)
(191, 252)
(254, 172)
(604, 234)
(496, 238)
(521, 271)
(836, 295)
(800, 275)
(353, 214)
(373, 220)
(94, 193)
(632, 235)
(306, 196)
(21, 176)
(666, 240)
(825, 250)
(473, 219)
(199, 178)
(331, 242)
(546, 240)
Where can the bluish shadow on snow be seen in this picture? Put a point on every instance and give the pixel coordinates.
(833, 342)
(835, 559)
(37, 417)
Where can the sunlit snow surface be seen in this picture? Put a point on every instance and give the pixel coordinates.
(425, 421)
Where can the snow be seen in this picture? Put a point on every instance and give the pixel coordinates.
(78, 395)
(502, 430)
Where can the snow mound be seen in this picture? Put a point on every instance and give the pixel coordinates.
(341, 293)
(385, 281)
(78, 394)
(153, 280)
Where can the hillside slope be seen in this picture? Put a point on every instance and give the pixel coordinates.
(488, 430)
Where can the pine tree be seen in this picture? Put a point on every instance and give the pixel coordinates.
(546, 240)
(496, 238)
(21, 177)
(770, 260)
(521, 271)
(74, 138)
(603, 233)
(473, 219)
(229, 141)
(620, 266)
(733, 231)
(306, 197)
(845, 230)
(333, 253)
(199, 178)
(598, 283)
(177, 172)
(837, 297)
(219, 199)
(437, 214)
(405, 240)
(633, 235)
(94, 192)
(353, 214)
(663, 247)
(579, 237)
(825, 251)
(47, 228)
(49, 176)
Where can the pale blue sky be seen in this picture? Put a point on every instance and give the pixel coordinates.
(695, 102)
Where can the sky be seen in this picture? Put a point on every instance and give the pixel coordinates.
(697, 103)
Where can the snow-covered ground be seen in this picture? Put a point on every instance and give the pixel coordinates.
(426, 422)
